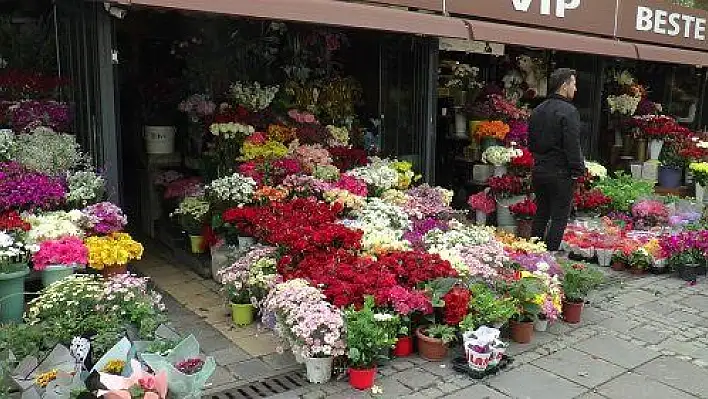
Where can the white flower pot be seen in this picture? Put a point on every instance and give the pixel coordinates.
(481, 218)
(319, 370)
(159, 139)
(298, 356)
(655, 147)
(246, 242)
(498, 350)
(504, 216)
(541, 325)
(500, 170)
(700, 193)
(604, 257)
(478, 361)
(460, 125)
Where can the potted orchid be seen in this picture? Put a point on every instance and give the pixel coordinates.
(58, 258)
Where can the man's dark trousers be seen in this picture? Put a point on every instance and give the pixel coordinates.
(554, 197)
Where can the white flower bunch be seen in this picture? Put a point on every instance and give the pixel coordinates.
(595, 169)
(464, 77)
(85, 187)
(72, 294)
(498, 155)
(46, 151)
(458, 236)
(379, 173)
(192, 207)
(54, 225)
(623, 104)
(231, 130)
(7, 142)
(378, 240)
(380, 214)
(253, 96)
(13, 250)
(339, 136)
(235, 189)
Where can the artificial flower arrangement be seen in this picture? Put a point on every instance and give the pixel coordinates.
(525, 209)
(192, 214)
(112, 250)
(482, 202)
(253, 96)
(492, 129)
(499, 156)
(65, 251)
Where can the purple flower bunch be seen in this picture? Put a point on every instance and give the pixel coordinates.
(104, 218)
(425, 201)
(686, 242)
(27, 115)
(533, 262)
(420, 227)
(21, 189)
(518, 133)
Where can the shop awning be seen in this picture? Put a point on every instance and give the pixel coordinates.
(672, 55)
(532, 37)
(327, 12)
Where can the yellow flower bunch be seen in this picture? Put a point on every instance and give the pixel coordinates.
(394, 197)
(653, 248)
(114, 249)
(44, 379)
(345, 198)
(271, 149)
(340, 135)
(114, 367)
(406, 176)
(516, 244)
(700, 171)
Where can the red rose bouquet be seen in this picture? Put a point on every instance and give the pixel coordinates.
(506, 186)
(482, 202)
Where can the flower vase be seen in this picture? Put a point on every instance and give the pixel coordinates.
(604, 257)
(404, 347)
(319, 370)
(460, 125)
(481, 218)
(432, 349)
(641, 150)
(504, 216)
(700, 193)
(362, 379)
(196, 244)
(242, 314)
(524, 227)
(114, 270)
(54, 273)
(572, 311)
(12, 296)
(655, 147)
(500, 170)
(245, 242)
(521, 332)
(669, 177)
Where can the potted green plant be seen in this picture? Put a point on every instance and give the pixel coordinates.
(14, 267)
(639, 261)
(578, 280)
(672, 165)
(368, 334)
(487, 309)
(525, 292)
(619, 261)
(434, 339)
(192, 213)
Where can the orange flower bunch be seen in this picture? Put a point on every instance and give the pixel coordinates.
(492, 129)
(267, 194)
(281, 133)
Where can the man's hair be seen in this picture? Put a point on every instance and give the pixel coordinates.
(559, 77)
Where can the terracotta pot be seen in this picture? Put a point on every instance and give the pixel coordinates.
(523, 228)
(637, 271)
(618, 266)
(113, 270)
(572, 311)
(521, 332)
(404, 347)
(430, 348)
(362, 379)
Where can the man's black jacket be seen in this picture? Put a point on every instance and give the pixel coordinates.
(554, 138)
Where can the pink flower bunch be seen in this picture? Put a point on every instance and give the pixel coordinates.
(518, 133)
(302, 117)
(64, 251)
(311, 155)
(105, 218)
(549, 309)
(484, 260)
(405, 301)
(425, 201)
(353, 185)
(129, 287)
(167, 177)
(317, 329)
(482, 202)
(305, 185)
(190, 366)
(184, 187)
(650, 213)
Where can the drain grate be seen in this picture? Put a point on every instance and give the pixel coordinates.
(265, 388)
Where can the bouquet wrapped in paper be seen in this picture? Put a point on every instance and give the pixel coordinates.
(187, 372)
(49, 378)
(139, 384)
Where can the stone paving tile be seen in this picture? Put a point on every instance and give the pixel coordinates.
(616, 351)
(619, 324)
(678, 374)
(250, 369)
(691, 349)
(280, 361)
(534, 383)
(579, 367)
(259, 345)
(591, 395)
(392, 387)
(230, 355)
(649, 336)
(699, 302)
(221, 376)
(477, 392)
(685, 317)
(635, 298)
(214, 343)
(636, 386)
(416, 378)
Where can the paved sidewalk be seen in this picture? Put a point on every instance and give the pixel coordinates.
(641, 337)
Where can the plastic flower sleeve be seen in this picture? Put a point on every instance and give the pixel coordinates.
(162, 332)
(26, 373)
(119, 351)
(182, 385)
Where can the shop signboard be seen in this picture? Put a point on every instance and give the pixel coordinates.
(588, 16)
(434, 5)
(658, 22)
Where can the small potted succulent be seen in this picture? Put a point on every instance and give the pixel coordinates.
(578, 280)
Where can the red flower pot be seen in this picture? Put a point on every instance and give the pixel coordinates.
(618, 266)
(362, 379)
(404, 347)
(114, 270)
(572, 311)
(521, 332)
(636, 271)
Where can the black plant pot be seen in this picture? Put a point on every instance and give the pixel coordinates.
(688, 272)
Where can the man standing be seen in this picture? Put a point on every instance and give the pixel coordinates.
(554, 141)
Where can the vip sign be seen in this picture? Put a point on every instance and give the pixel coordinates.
(546, 6)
